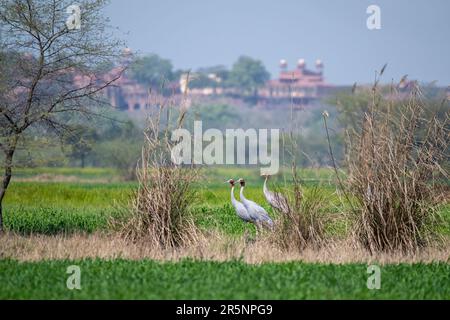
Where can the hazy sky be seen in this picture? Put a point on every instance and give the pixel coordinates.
(414, 38)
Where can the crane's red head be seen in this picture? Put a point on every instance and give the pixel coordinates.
(242, 182)
(231, 182)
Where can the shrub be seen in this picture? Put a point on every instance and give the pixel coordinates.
(160, 205)
(394, 163)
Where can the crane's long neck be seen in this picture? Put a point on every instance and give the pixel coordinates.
(242, 194)
(233, 199)
(265, 190)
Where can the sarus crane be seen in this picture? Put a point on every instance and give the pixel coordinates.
(240, 209)
(275, 199)
(255, 210)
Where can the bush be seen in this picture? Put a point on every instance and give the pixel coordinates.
(394, 164)
(159, 209)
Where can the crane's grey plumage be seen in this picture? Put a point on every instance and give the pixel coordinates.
(240, 209)
(255, 210)
(275, 199)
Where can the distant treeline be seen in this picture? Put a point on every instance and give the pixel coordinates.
(117, 143)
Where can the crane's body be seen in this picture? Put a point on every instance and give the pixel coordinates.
(256, 212)
(275, 199)
(240, 209)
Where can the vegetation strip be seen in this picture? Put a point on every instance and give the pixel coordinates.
(146, 279)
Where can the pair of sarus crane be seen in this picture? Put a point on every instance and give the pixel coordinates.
(250, 211)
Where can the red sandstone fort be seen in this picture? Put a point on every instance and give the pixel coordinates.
(300, 85)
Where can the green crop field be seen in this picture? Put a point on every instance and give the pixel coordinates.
(122, 279)
(53, 208)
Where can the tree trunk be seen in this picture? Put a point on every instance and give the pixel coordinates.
(7, 174)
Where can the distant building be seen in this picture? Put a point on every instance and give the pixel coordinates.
(127, 94)
(301, 84)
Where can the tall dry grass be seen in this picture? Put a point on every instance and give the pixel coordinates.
(301, 219)
(394, 164)
(303, 223)
(214, 247)
(159, 207)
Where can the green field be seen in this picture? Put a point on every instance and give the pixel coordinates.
(54, 207)
(51, 208)
(87, 206)
(122, 279)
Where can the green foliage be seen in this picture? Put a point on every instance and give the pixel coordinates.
(222, 218)
(146, 279)
(151, 70)
(119, 146)
(40, 151)
(312, 150)
(248, 74)
(68, 194)
(210, 77)
(54, 220)
(49, 207)
(112, 143)
(80, 141)
(121, 154)
(80, 173)
(351, 108)
(215, 116)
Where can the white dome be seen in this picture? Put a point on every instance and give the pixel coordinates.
(127, 51)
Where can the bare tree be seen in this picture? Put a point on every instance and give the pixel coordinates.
(51, 53)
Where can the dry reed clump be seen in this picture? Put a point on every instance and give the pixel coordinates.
(302, 224)
(159, 208)
(301, 219)
(394, 162)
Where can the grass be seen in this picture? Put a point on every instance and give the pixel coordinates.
(86, 173)
(56, 220)
(146, 279)
(67, 194)
(57, 208)
(53, 207)
(50, 208)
